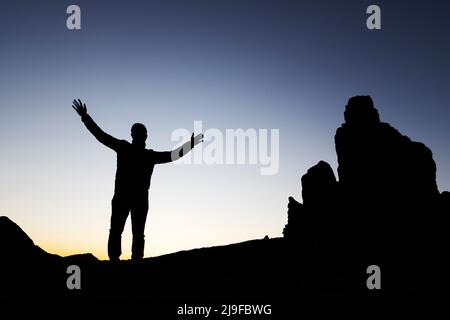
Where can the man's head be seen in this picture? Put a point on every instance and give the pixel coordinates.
(139, 133)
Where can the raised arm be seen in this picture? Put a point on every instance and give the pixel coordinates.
(98, 133)
(169, 156)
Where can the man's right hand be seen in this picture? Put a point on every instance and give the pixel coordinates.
(79, 107)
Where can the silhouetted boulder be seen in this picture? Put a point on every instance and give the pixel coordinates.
(318, 187)
(385, 202)
(309, 224)
(379, 166)
(25, 268)
(360, 112)
(14, 243)
(291, 230)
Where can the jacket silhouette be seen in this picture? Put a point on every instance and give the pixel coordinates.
(135, 166)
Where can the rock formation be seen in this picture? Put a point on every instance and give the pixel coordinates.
(378, 165)
(14, 243)
(386, 199)
(308, 222)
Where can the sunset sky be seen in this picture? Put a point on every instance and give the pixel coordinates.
(287, 65)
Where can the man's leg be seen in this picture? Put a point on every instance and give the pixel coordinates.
(139, 212)
(119, 214)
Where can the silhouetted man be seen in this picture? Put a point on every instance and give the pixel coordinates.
(134, 169)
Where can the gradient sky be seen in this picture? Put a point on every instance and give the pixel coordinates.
(289, 65)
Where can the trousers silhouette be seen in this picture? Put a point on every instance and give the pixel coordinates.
(122, 206)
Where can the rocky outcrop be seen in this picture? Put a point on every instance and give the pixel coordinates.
(310, 222)
(295, 214)
(386, 200)
(380, 166)
(318, 186)
(14, 243)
